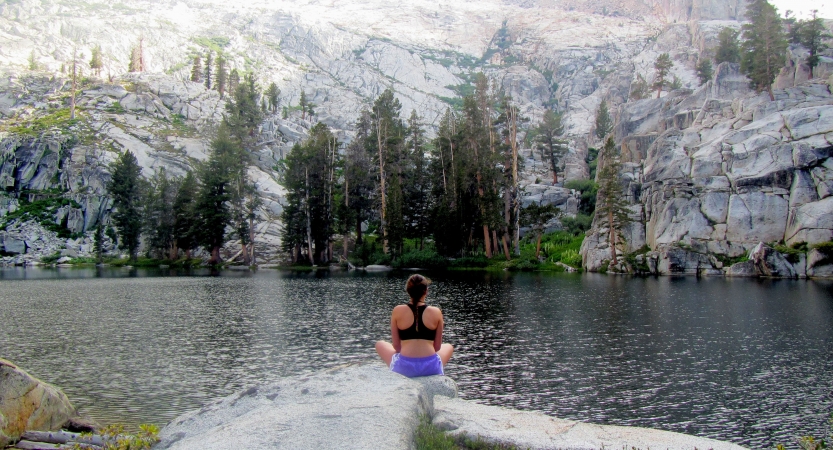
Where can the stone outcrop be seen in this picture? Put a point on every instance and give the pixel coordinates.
(736, 171)
(367, 406)
(27, 403)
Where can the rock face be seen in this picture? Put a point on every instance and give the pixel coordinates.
(367, 406)
(27, 403)
(741, 171)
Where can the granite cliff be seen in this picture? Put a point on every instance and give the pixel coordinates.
(570, 55)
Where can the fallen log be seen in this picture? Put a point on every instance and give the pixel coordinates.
(62, 437)
(29, 445)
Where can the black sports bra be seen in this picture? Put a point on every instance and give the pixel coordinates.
(417, 330)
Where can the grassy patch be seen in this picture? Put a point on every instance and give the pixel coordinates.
(59, 119)
(41, 211)
(429, 437)
(215, 44)
(793, 255)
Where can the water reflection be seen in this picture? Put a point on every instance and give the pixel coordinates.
(743, 360)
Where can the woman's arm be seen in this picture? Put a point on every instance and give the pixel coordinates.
(394, 333)
(438, 338)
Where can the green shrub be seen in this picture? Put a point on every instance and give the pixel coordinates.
(524, 264)
(791, 254)
(571, 258)
(577, 225)
(826, 249)
(428, 258)
(115, 438)
(470, 261)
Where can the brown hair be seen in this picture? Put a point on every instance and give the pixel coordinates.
(416, 286)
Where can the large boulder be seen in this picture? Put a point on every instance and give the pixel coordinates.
(533, 430)
(360, 407)
(770, 263)
(27, 403)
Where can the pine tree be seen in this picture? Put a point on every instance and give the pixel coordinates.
(212, 210)
(159, 215)
(209, 61)
(384, 143)
(604, 124)
(221, 75)
(359, 185)
(185, 216)
(812, 36)
(417, 202)
(639, 88)
(95, 60)
(793, 27)
(309, 178)
(764, 45)
(196, 69)
(273, 94)
(663, 67)
(536, 217)
(727, 47)
(137, 57)
(33, 62)
(98, 242)
(124, 188)
(611, 208)
(548, 138)
(704, 70)
(233, 81)
(243, 112)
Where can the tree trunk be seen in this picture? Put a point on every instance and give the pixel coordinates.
(358, 230)
(187, 253)
(506, 247)
(538, 245)
(612, 239)
(309, 222)
(771, 95)
(215, 256)
(346, 236)
(252, 259)
(495, 243)
(174, 251)
(487, 241)
(382, 186)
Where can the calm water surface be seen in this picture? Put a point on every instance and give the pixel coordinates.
(742, 360)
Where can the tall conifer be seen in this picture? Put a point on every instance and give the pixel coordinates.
(764, 45)
(124, 189)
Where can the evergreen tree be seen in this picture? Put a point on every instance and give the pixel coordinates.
(212, 210)
(273, 94)
(536, 217)
(208, 71)
(548, 137)
(309, 178)
(98, 242)
(417, 187)
(604, 124)
(137, 57)
(233, 80)
(95, 60)
(196, 69)
(385, 145)
(727, 47)
(185, 216)
(663, 67)
(221, 75)
(359, 185)
(793, 27)
(611, 208)
(125, 190)
(159, 215)
(704, 70)
(812, 36)
(243, 112)
(764, 45)
(639, 88)
(33, 62)
(302, 103)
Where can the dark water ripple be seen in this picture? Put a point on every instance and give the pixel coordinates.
(741, 360)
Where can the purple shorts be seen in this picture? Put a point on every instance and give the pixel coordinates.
(416, 367)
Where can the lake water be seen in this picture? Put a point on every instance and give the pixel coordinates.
(749, 361)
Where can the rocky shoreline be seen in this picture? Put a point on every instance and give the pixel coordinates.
(356, 406)
(367, 406)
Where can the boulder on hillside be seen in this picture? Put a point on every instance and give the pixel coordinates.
(770, 263)
(27, 403)
(819, 264)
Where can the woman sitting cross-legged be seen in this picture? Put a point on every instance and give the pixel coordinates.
(416, 335)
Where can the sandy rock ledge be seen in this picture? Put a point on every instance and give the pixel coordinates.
(367, 406)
